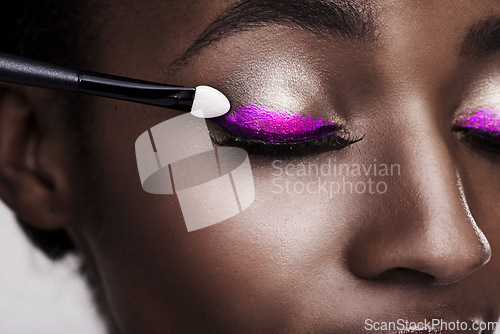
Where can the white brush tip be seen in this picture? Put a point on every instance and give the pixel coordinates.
(209, 102)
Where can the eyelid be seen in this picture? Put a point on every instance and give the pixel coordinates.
(258, 122)
(483, 120)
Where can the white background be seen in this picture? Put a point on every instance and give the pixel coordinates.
(38, 296)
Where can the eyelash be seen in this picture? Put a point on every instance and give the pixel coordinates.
(478, 139)
(336, 141)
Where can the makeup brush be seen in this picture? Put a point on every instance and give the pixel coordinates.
(202, 101)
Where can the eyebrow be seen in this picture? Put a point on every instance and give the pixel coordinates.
(482, 39)
(338, 18)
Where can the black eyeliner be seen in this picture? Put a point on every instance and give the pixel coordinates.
(331, 142)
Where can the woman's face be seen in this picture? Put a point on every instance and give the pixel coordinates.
(404, 224)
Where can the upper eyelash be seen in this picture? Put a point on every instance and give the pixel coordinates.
(330, 142)
(478, 139)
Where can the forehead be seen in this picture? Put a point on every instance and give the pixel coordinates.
(155, 33)
(196, 13)
(183, 21)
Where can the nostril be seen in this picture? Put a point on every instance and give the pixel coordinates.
(406, 275)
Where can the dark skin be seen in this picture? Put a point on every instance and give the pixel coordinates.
(290, 263)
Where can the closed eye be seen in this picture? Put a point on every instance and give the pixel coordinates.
(480, 129)
(267, 131)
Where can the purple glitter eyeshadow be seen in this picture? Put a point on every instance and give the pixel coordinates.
(482, 120)
(252, 121)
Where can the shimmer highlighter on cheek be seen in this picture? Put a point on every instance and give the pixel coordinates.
(484, 120)
(257, 122)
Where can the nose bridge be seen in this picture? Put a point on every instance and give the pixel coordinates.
(428, 227)
(443, 239)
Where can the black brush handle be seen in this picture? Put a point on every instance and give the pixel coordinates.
(134, 90)
(23, 71)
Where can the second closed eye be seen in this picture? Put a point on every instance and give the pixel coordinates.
(480, 128)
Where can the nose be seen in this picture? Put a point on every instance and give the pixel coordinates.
(422, 228)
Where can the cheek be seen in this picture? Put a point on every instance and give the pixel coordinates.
(282, 255)
(481, 183)
(144, 253)
(277, 254)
